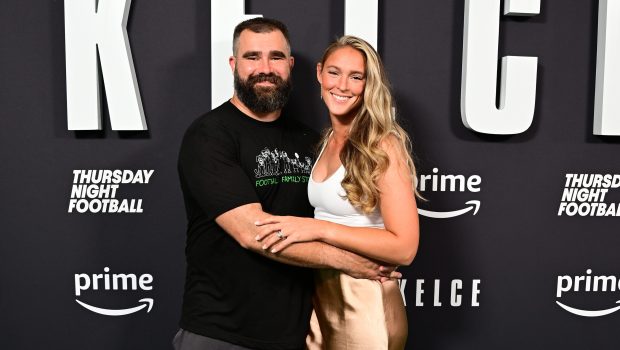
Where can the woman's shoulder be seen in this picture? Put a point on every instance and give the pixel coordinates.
(392, 144)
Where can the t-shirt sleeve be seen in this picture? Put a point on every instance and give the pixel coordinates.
(211, 171)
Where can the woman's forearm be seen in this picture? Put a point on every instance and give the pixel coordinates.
(392, 247)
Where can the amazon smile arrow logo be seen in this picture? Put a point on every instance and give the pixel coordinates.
(472, 205)
(438, 182)
(589, 313)
(147, 303)
(114, 282)
(587, 283)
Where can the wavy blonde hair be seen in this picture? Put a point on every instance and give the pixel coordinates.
(362, 157)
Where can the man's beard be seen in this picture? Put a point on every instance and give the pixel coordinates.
(261, 99)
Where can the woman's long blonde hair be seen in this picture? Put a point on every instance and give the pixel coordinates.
(362, 157)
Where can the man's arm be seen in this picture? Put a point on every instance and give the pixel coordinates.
(239, 223)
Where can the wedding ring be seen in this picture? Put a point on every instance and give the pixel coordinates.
(279, 234)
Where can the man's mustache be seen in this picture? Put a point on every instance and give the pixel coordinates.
(262, 77)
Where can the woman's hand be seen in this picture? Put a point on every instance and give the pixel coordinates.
(278, 232)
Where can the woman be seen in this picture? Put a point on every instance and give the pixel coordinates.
(362, 188)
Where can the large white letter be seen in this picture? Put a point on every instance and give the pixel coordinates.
(225, 15)
(89, 27)
(606, 95)
(361, 19)
(479, 77)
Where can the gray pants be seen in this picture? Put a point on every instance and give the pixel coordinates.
(185, 340)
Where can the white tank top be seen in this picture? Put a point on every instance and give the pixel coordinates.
(331, 204)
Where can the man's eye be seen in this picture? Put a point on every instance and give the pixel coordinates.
(332, 73)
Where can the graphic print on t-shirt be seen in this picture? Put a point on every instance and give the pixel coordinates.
(279, 166)
(274, 163)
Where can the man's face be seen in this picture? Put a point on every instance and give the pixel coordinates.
(262, 70)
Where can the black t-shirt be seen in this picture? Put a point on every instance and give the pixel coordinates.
(228, 159)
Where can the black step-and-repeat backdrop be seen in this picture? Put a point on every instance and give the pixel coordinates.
(517, 158)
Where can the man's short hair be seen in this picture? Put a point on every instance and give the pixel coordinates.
(259, 25)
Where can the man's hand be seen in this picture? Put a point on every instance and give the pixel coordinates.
(358, 266)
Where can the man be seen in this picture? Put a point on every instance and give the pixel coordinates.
(237, 163)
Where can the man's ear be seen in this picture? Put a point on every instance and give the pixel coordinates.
(232, 61)
(292, 61)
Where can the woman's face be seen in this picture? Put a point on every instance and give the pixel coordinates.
(342, 78)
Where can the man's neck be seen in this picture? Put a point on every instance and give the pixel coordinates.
(263, 117)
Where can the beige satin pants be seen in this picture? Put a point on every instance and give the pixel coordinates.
(352, 314)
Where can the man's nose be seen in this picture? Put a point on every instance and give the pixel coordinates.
(264, 66)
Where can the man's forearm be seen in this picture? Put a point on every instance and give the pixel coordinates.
(315, 255)
(319, 255)
(238, 224)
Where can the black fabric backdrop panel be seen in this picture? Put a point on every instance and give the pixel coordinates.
(509, 257)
